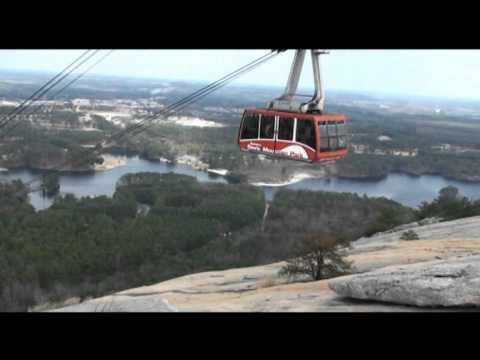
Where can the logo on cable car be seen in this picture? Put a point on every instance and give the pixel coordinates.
(295, 151)
(259, 148)
(254, 146)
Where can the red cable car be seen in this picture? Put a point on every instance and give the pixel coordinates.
(292, 130)
(296, 136)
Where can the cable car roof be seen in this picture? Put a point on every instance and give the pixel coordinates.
(297, 115)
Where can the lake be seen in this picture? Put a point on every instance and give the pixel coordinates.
(406, 189)
(103, 182)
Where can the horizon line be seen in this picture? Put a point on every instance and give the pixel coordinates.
(246, 84)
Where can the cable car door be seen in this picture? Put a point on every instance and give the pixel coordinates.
(295, 139)
(266, 134)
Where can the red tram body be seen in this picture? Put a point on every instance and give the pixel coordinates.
(297, 136)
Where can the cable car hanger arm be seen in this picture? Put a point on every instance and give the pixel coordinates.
(286, 102)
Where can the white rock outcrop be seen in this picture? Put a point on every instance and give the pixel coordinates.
(448, 283)
(122, 303)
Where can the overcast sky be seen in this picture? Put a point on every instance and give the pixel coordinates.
(443, 73)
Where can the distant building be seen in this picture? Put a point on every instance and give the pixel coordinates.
(81, 102)
(46, 102)
(359, 148)
(85, 118)
(379, 152)
(401, 153)
(405, 153)
(384, 138)
(442, 147)
(9, 103)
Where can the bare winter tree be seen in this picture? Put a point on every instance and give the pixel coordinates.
(318, 256)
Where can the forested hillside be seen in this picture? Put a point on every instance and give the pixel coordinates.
(160, 226)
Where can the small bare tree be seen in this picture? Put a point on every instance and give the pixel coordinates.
(409, 235)
(318, 256)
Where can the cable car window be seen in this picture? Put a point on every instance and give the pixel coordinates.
(342, 135)
(333, 135)
(324, 145)
(267, 125)
(323, 130)
(341, 129)
(333, 142)
(285, 128)
(250, 126)
(306, 133)
(332, 129)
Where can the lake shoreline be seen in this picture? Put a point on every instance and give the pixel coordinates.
(111, 162)
(295, 178)
(196, 164)
(413, 175)
(407, 189)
